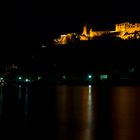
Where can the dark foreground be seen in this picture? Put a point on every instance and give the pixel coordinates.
(65, 112)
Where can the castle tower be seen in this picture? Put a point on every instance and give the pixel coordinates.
(85, 30)
(91, 33)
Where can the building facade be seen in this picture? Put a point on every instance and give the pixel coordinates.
(127, 27)
(124, 31)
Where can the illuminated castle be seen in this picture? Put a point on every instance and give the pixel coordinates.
(123, 30)
(127, 27)
(127, 30)
(91, 34)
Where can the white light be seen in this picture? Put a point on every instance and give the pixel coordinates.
(19, 78)
(39, 77)
(89, 86)
(64, 77)
(90, 76)
(27, 80)
(43, 46)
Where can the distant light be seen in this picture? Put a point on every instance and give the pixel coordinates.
(90, 86)
(64, 77)
(1, 80)
(27, 80)
(39, 77)
(63, 35)
(89, 76)
(131, 70)
(20, 78)
(43, 46)
(103, 77)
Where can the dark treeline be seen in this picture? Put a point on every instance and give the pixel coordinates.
(79, 57)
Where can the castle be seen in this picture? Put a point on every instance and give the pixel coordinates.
(127, 27)
(123, 30)
(86, 35)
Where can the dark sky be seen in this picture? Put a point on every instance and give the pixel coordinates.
(39, 20)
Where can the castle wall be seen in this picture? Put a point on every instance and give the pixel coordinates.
(127, 27)
(125, 31)
(97, 33)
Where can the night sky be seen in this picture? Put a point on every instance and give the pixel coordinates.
(36, 21)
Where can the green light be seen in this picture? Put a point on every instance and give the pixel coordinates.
(103, 77)
(39, 77)
(19, 78)
(1, 78)
(89, 76)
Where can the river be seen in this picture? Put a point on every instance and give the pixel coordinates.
(70, 112)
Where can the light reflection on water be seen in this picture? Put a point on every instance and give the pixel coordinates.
(19, 93)
(13, 104)
(88, 133)
(126, 113)
(26, 104)
(77, 112)
(100, 112)
(1, 100)
(74, 111)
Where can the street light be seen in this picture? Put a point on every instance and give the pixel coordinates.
(1, 78)
(27, 80)
(39, 77)
(64, 77)
(19, 78)
(89, 76)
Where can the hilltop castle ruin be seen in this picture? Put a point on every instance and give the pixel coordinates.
(123, 30)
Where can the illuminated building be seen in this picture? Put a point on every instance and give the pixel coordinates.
(124, 31)
(85, 30)
(128, 30)
(127, 27)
